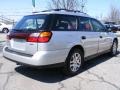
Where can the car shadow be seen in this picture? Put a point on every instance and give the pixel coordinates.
(54, 75)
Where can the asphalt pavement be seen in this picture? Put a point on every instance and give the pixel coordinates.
(101, 73)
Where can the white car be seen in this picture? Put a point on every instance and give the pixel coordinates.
(5, 28)
(59, 38)
(118, 26)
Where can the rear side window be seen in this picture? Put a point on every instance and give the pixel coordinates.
(65, 23)
(85, 24)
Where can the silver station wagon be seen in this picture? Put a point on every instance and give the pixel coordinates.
(58, 37)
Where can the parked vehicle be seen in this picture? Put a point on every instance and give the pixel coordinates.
(5, 28)
(59, 37)
(118, 26)
(111, 28)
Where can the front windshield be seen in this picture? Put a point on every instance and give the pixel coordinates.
(32, 22)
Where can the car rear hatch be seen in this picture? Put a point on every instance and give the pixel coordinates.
(24, 36)
(18, 43)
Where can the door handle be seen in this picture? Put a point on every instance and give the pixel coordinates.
(83, 37)
(101, 36)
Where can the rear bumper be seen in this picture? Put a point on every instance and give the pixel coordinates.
(40, 58)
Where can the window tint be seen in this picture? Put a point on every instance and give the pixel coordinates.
(85, 24)
(0, 24)
(40, 22)
(65, 22)
(97, 26)
(31, 23)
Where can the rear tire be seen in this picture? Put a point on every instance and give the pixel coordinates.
(114, 48)
(74, 62)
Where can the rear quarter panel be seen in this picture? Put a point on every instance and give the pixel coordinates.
(61, 40)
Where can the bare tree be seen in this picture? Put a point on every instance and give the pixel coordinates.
(67, 4)
(114, 14)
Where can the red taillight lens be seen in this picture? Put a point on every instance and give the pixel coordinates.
(33, 37)
(42, 37)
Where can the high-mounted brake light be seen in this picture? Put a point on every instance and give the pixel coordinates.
(41, 37)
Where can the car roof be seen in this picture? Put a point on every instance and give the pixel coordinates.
(62, 12)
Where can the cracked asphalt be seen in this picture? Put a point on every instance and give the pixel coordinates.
(101, 73)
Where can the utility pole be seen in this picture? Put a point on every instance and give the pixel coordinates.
(33, 5)
(83, 2)
(2, 16)
(82, 6)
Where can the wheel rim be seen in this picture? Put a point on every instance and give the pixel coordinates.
(75, 62)
(114, 49)
(5, 30)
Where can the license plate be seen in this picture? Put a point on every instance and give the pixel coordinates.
(18, 44)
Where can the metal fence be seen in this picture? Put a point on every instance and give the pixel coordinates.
(6, 20)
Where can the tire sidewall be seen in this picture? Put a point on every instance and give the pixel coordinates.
(67, 66)
(114, 42)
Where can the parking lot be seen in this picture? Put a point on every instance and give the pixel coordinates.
(101, 73)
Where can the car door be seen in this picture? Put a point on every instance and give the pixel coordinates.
(105, 41)
(89, 37)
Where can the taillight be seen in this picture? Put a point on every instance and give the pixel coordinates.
(41, 37)
(33, 37)
(44, 37)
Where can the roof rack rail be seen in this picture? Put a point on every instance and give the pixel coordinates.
(75, 11)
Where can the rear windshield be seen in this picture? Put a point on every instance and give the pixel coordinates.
(31, 23)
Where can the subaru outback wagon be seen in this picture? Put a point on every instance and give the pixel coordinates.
(58, 38)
